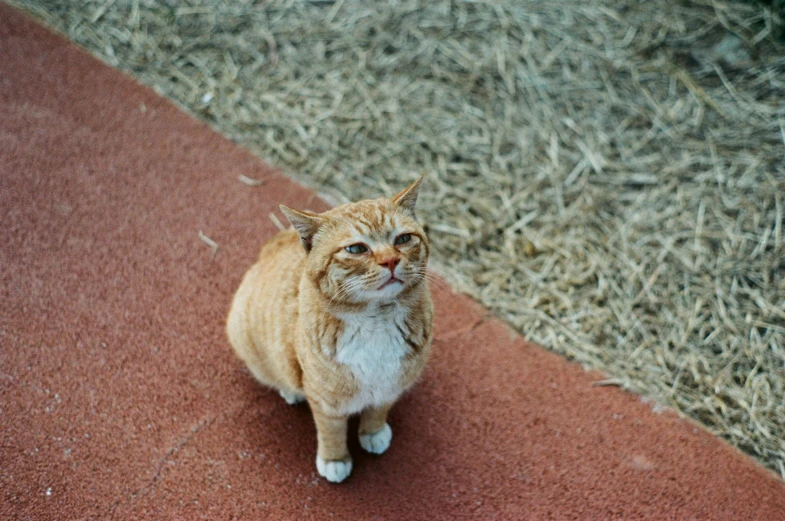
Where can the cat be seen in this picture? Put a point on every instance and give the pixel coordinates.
(337, 312)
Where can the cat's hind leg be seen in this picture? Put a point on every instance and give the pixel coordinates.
(292, 397)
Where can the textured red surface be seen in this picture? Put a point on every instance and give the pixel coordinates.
(120, 397)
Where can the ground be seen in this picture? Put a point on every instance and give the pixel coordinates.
(127, 226)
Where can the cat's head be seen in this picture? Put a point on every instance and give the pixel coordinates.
(372, 250)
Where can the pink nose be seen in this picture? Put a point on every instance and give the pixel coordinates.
(390, 263)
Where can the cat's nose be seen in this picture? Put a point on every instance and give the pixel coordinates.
(391, 263)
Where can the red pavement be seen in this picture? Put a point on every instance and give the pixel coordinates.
(120, 397)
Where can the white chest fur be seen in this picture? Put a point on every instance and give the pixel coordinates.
(373, 348)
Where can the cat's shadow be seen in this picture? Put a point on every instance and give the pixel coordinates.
(287, 433)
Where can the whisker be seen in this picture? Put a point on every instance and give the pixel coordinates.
(426, 274)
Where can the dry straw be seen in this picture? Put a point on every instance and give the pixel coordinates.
(608, 177)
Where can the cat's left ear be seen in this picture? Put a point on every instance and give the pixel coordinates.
(407, 199)
(306, 224)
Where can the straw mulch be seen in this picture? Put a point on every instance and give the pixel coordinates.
(608, 177)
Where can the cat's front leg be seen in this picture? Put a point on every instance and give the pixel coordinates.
(333, 460)
(375, 432)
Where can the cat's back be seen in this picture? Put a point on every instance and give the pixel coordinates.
(276, 274)
(264, 311)
(273, 281)
(284, 248)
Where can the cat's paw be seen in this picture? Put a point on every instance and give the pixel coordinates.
(377, 442)
(334, 471)
(291, 398)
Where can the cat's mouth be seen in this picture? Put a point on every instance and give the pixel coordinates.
(390, 281)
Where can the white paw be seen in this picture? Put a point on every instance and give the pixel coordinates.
(377, 442)
(333, 471)
(291, 398)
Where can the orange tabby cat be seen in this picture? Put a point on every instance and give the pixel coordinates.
(338, 313)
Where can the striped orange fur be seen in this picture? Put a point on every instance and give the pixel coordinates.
(338, 312)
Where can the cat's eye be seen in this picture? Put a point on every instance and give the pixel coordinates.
(403, 239)
(357, 248)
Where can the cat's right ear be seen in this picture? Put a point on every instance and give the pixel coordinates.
(305, 223)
